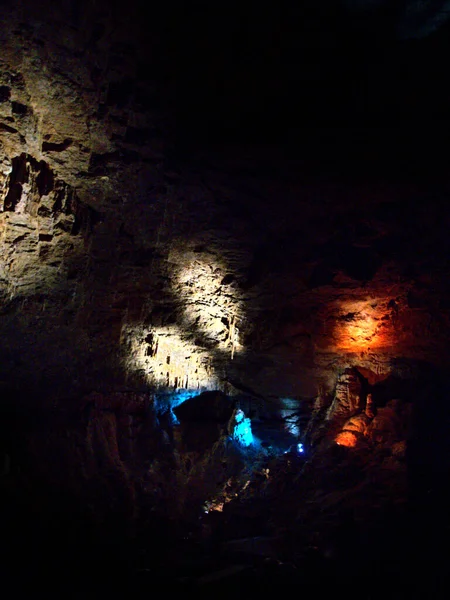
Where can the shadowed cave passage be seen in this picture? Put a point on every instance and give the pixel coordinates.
(185, 505)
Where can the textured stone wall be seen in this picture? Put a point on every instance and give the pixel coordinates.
(128, 261)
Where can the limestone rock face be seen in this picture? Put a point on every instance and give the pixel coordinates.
(388, 426)
(131, 255)
(40, 223)
(347, 398)
(358, 423)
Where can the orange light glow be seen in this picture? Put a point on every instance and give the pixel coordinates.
(346, 438)
(359, 335)
(362, 325)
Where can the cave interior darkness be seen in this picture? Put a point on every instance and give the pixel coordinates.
(224, 298)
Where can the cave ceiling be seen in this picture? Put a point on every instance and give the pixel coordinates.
(219, 199)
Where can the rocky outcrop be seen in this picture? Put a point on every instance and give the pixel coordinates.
(347, 398)
(166, 264)
(208, 406)
(42, 225)
(389, 425)
(354, 419)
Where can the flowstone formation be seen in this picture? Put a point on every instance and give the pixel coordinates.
(240, 428)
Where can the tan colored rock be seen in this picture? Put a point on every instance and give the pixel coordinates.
(359, 423)
(347, 438)
(347, 395)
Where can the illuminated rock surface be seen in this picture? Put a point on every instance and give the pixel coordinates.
(159, 241)
(128, 243)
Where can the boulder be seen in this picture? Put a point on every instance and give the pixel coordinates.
(358, 423)
(347, 438)
(215, 407)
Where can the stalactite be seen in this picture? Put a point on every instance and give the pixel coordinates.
(232, 334)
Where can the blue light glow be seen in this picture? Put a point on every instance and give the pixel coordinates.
(289, 414)
(242, 430)
(167, 401)
(296, 447)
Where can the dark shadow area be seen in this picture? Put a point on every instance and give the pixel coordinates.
(289, 528)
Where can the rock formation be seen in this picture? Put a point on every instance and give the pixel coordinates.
(158, 272)
(183, 235)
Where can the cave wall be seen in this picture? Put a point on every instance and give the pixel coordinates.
(174, 220)
(131, 258)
